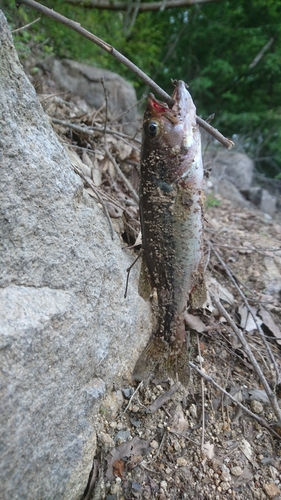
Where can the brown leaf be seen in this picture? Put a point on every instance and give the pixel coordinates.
(118, 468)
(130, 449)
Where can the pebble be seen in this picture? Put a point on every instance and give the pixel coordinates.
(122, 437)
(181, 461)
(271, 490)
(224, 486)
(177, 446)
(225, 476)
(154, 445)
(236, 471)
(256, 406)
(127, 393)
(193, 410)
(106, 441)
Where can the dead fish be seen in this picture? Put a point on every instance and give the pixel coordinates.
(171, 192)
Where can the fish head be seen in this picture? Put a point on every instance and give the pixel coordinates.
(172, 129)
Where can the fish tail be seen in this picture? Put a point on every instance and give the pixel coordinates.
(160, 358)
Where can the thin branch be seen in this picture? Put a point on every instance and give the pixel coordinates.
(91, 184)
(271, 395)
(129, 270)
(143, 7)
(106, 107)
(261, 53)
(122, 59)
(208, 378)
(26, 26)
(203, 396)
(244, 298)
(122, 176)
(133, 395)
(90, 131)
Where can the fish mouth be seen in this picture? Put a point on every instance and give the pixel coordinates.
(185, 111)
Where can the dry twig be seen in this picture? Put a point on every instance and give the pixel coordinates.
(91, 184)
(271, 395)
(270, 354)
(124, 60)
(208, 378)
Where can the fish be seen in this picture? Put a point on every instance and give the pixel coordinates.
(171, 214)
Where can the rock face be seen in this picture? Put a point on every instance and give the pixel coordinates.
(66, 332)
(85, 81)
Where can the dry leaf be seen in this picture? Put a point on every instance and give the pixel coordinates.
(245, 447)
(179, 425)
(219, 291)
(208, 450)
(269, 323)
(194, 322)
(135, 447)
(118, 468)
(77, 162)
(248, 322)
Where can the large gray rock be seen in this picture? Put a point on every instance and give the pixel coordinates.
(85, 81)
(264, 200)
(66, 332)
(232, 165)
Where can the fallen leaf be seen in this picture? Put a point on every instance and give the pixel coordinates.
(135, 447)
(118, 468)
(179, 425)
(268, 321)
(208, 450)
(248, 322)
(194, 322)
(245, 447)
(219, 291)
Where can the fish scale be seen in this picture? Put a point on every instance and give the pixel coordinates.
(171, 190)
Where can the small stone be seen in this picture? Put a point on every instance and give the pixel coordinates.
(122, 437)
(168, 471)
(271, 490)
(177, 446)
(236, 471)
(136, 486)
(154, 445)
(273, 472)
(256, 406)
(181, 461)
(193, 410)
(224, 486)
(225, 476)
(127, 393)
(106, 442)
(164, 484)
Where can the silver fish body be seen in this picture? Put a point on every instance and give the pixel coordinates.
(171, 191)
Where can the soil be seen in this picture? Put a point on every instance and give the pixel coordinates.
(193, 443)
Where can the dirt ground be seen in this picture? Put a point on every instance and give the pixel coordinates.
(162, 441)
(196, 443)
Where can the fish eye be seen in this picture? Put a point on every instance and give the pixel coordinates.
(152, 128)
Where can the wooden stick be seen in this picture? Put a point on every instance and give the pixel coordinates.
(132, 67)
(208, 378)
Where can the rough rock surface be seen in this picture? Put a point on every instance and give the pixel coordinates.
(85, 81)
(66, 331)
(235, 166)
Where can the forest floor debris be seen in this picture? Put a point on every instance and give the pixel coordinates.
(162, 441)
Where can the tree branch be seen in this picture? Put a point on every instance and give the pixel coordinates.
(143, 7)
(132, 67)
